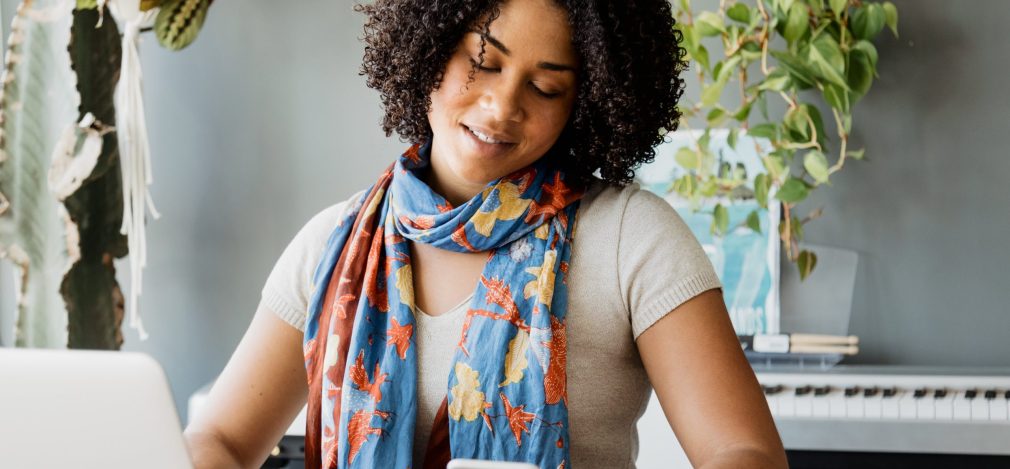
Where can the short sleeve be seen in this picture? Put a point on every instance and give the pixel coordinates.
(288, 287)
(661, 264)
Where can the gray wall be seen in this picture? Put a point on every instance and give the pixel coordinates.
(264, 121)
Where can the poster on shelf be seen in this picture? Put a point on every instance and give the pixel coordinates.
(746, 261)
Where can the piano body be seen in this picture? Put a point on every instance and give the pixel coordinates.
(873, 416)
(846, 416)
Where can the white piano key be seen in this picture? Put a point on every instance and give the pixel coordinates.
(962, 407)
(855, 407)
(979, 408)
(837, 404)
(821, 407)
(804, 405)
(907, 406)
(786, 404)
(998, 409)
(925, 407)
(944, 407)
(889, 407)
(873, 407)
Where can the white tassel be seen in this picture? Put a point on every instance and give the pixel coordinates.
(135, 157)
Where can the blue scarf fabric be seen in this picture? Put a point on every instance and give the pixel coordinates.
(506, 393)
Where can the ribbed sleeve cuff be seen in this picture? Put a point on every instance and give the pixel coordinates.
(283, 310)
(674, 297)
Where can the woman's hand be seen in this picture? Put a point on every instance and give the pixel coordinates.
(253, 402)
(707, 389)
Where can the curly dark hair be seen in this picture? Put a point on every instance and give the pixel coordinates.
(629, 80)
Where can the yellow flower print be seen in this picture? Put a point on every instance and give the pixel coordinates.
(515, 359)
(467, 402)
(512, 207)
(543, 284)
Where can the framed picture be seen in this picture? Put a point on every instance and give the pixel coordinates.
(746, 261)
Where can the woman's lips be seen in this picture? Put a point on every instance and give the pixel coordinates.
(484, 148)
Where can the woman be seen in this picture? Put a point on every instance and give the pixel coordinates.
(512, 106)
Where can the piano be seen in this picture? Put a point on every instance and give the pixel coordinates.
(865, 416)
(842, 417)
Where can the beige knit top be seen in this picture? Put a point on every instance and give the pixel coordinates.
(633, 261)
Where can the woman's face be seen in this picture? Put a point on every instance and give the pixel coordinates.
(516, 106)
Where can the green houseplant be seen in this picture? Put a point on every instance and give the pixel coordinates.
(802, 52)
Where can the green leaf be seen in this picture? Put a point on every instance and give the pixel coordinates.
(777, 80)
(792, 191)
(769, 131)
(775, 164)
(801, 73)
(869, 49)
(725, 72)
(797, 23)
(685, 5)
(710, 93)
(836, 97)
(708, 188)
(179, 22)
(796, 123)
(856, 154)
(701, 56)
(838, 7)
(891, 17)
(709, 24)
(817, 165)
(806, 263)
(860, 72)
(720, 220)
(688, 158)
(685, 185)
(715, 116)
(754, 221)
(827, 59)
(739, 12)
(868, 20)
(761, 185)
(732, 138)
(743, 113)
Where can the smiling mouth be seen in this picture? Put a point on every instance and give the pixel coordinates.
(484, 137)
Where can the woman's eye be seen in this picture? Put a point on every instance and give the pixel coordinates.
(543, 93)
(483, 67)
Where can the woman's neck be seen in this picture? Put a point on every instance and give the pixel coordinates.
(440, 179)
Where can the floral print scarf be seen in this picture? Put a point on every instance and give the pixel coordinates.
(506, 396)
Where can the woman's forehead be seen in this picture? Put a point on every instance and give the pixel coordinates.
(537, 27)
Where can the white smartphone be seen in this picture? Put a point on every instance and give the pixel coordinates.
(477, 464)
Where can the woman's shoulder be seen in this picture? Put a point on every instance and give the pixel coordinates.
(614, 204)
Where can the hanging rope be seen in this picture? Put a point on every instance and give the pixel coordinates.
(135, 156)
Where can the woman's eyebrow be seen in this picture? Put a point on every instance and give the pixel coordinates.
(555, 67)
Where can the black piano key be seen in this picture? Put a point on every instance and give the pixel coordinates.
(851, 391)
(990, 394)
(919, 393)
(940, 393)
(870, 392)
(803, 390)
(970, 394)
(820, 391)
(890, 392)
(772, 389)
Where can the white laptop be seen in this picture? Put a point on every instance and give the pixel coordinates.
(87, 409)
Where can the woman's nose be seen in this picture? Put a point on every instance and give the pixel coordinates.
(501, 100)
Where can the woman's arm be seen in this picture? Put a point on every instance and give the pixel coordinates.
(707, 389)
(253, 402)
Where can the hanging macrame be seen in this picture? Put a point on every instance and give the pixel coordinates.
(63, 227)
